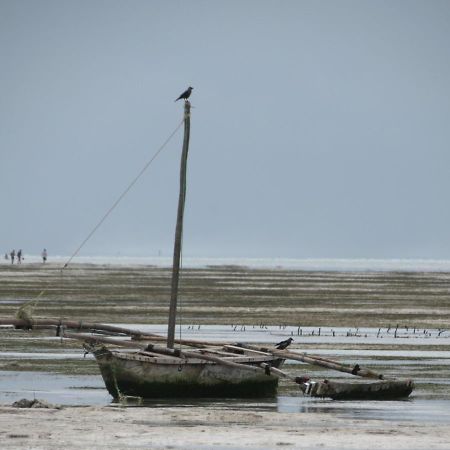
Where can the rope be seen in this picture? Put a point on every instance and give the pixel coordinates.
(115, 204)
(122, 195)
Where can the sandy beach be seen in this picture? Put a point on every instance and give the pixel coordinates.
(202, 428)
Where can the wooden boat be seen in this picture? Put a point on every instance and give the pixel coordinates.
(148, 370)
(147, 376)
(378, 390)
(140, 368)
(178, 374)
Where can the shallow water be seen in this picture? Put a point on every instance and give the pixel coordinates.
(89, 390)
(429, 368)
(413, 409)
(323, 335)
(54, 388)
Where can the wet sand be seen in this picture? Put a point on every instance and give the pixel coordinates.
(230, 295)
(202, 428)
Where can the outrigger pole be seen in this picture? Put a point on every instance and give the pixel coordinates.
(179, 228)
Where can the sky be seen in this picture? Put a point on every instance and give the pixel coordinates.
(319, 129)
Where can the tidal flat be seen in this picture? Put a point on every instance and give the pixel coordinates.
(393, 322)
(230, 295)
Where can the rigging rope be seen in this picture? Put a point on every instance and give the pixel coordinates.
(122, 195)
(111, 209)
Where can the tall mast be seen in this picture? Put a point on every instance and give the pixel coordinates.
(179, 228)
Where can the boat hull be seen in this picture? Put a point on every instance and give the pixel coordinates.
(378, 390)
(136, 375)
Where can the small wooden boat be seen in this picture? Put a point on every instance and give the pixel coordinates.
(146, 369)
(138, 367)
(372, 390)
(177, 374)
(147, 375)
(379, 388)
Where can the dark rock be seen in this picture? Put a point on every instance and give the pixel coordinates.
(36, 403)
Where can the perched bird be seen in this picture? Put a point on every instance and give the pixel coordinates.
(284, 344)
(186, 94)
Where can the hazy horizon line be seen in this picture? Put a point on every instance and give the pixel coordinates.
(331, 264)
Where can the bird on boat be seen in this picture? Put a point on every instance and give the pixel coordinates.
(284, 344)
(186, 94)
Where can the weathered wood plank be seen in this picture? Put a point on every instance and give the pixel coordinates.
(310, 359)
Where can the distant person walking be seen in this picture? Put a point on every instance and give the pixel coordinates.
(19, 257)
(44, 255)
(6, 256)
(13, 255)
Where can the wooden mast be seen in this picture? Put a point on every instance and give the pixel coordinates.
(179, 228)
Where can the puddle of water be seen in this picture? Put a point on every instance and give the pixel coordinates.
(54, 388)
(415, 410)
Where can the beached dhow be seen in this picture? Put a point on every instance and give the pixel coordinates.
(165, 371)
(152, 366)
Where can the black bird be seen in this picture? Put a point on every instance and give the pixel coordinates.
(186, 94)
(284, 344)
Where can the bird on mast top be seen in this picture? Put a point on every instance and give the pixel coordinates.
(186, 94)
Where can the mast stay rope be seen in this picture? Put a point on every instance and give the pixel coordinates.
(122, 195)
(114, 205)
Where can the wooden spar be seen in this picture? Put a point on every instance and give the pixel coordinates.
(263, 367)
(97, 327)
(76, 325)
(285, 354)
(360, 371)
(317, 361)
(80, 325)
(103, 340)
(179, 228)
(138, 335)
(188, 342)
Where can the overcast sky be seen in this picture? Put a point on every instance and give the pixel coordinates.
(319, 128)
